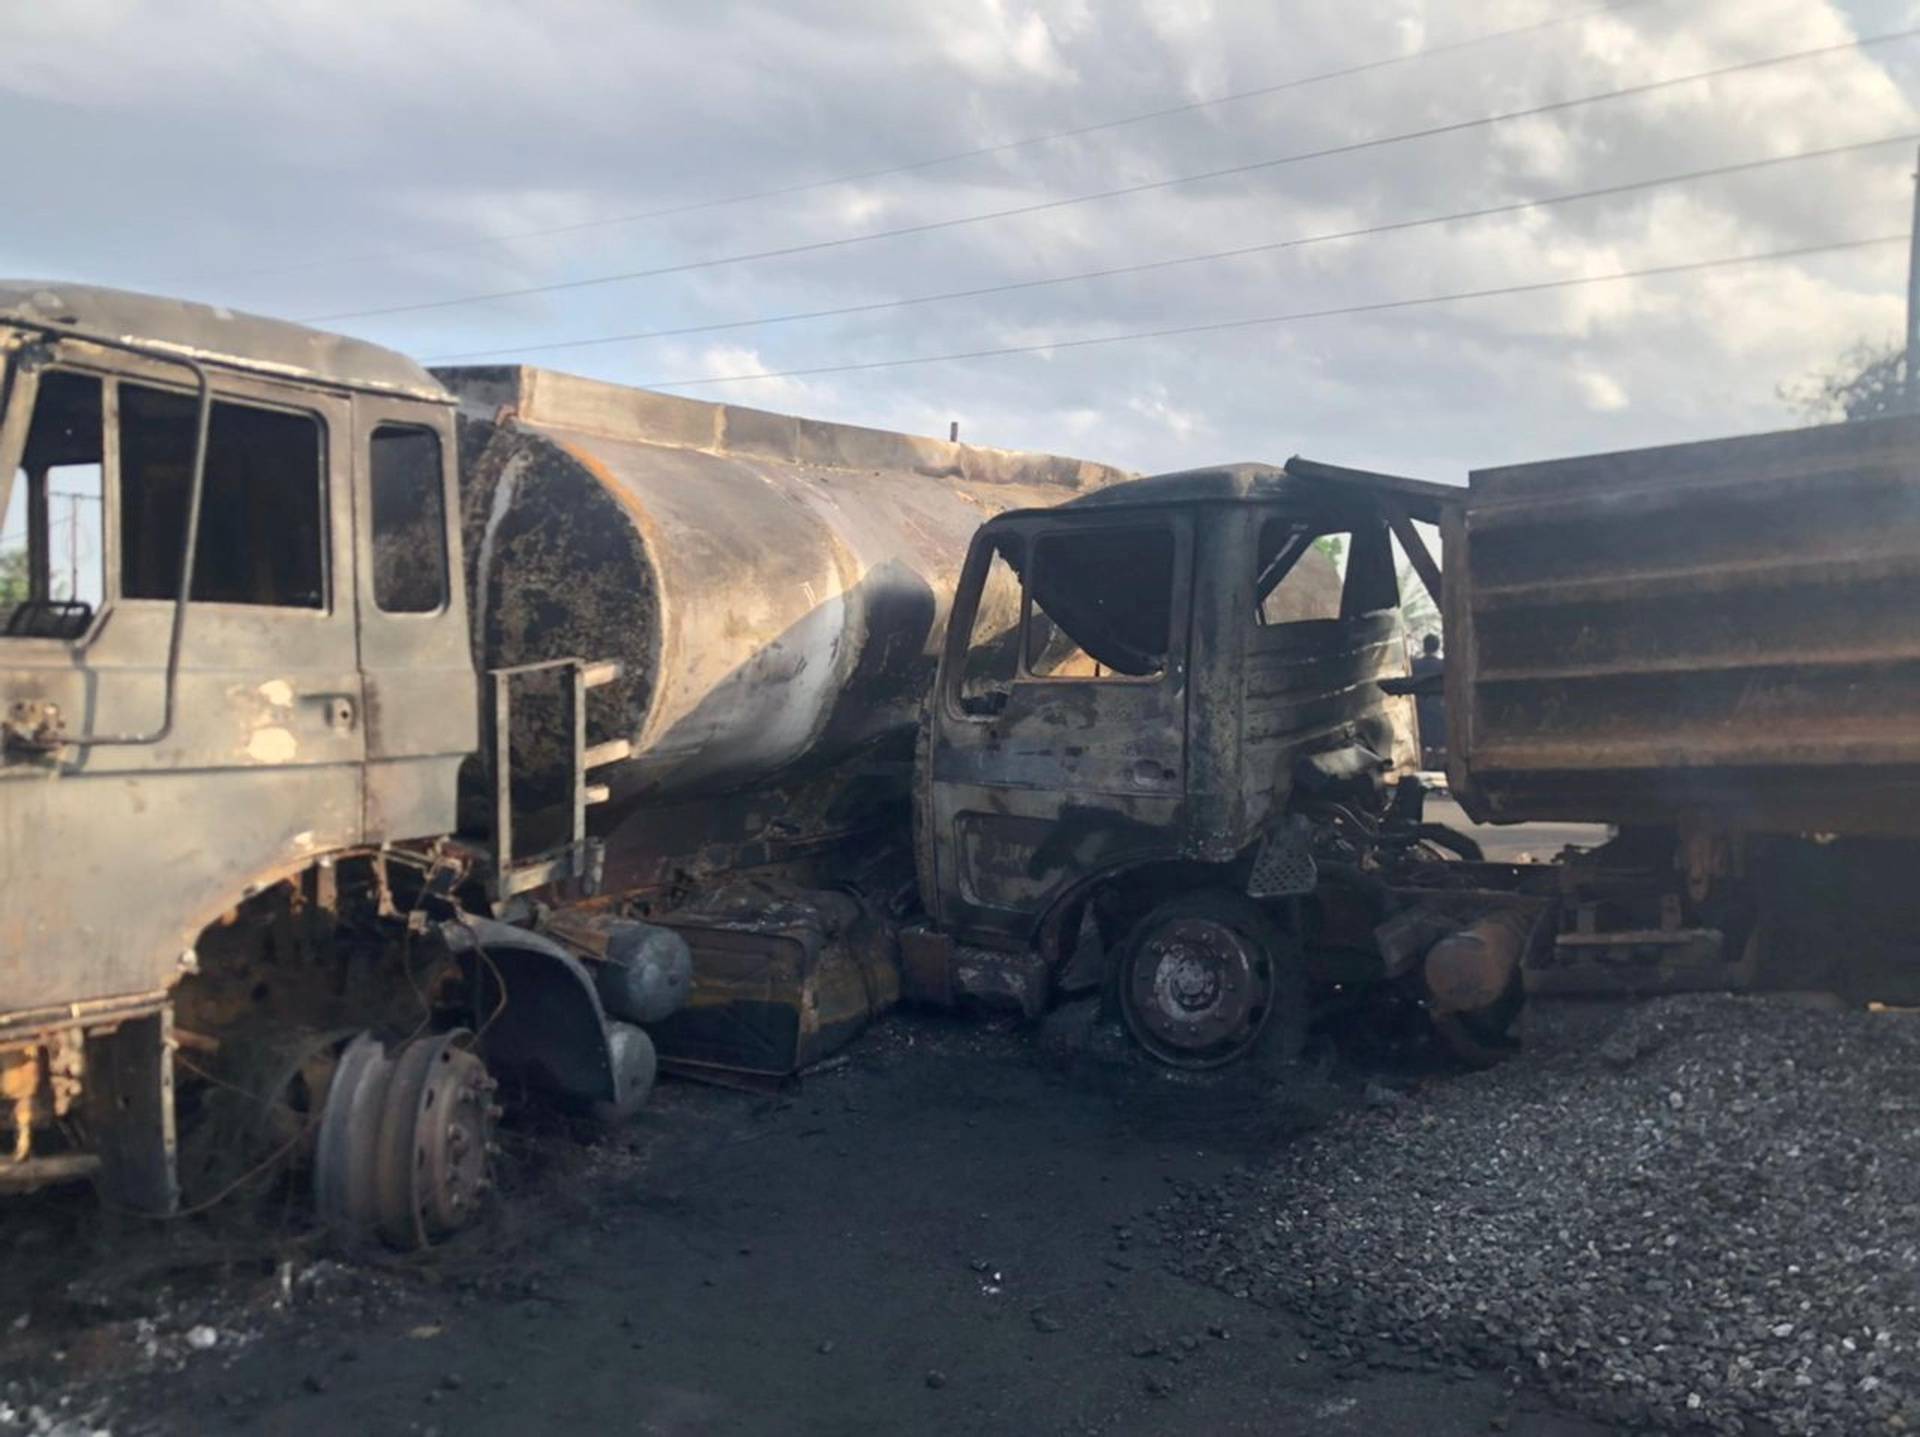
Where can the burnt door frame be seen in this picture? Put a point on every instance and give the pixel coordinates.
(417, 667)
(1072, 776)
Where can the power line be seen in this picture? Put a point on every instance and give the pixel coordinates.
(1394, 226)
(1217, 326)
(955, 156)
(1353, 147)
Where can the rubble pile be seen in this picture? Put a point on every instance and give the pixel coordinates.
(1706, 1217)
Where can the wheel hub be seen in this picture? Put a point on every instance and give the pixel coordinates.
(1197, 992)
(405, 1139)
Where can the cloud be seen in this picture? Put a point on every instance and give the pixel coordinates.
(1601, 391)
(309, 158)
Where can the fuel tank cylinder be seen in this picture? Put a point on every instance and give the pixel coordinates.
(775, 588)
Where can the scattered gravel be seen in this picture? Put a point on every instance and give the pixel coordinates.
(1706, 1217)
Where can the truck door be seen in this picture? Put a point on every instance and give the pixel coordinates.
(1058, 738)
(127, 849)
(416, 657)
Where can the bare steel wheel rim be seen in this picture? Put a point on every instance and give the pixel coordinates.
(406, 1140)
(1197, 992)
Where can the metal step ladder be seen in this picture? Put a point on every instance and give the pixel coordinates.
(578, 857)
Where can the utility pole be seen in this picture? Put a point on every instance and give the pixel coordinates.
(1912, 385)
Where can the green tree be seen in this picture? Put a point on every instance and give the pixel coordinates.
(1417, 610)
(13, 577)
(1868, 381)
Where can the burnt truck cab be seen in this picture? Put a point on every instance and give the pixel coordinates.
(165, 753)
(1164, 749)
(202, 784)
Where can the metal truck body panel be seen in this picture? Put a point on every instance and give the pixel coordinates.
(299, 724)
(1219, 650)
(1712, 635)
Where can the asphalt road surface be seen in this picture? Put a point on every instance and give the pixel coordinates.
(943, 1234)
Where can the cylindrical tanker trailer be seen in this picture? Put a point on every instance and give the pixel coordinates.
(774, 588)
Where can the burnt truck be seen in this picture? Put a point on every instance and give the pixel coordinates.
(1710, 647)
(1171, 759)
(390, 733)
(338, 700)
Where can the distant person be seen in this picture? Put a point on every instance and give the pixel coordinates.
(1430, 706)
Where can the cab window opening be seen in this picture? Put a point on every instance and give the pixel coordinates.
(263, 531)
(1100, 604)
(53, 534)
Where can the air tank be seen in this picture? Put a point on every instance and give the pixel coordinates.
(775, 588)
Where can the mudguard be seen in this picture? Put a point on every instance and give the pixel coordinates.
(539, 1014)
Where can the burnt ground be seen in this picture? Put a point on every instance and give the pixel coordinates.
(945, 1233)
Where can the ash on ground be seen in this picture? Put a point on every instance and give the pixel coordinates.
(1701, 1214)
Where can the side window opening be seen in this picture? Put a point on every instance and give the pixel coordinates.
(993, 643)
(1296, 574)
(1100, 603)
(53, 535)
(1306, 573)
(409, 520)
(262, 515)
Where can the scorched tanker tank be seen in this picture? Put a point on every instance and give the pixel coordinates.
(775, 589)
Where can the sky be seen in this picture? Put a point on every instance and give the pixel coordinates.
(310, 158)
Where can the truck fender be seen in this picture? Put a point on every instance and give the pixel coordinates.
(1061, 936)
(540, 1014)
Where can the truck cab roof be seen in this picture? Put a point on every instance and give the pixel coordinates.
(215, 335)
(1305, 482)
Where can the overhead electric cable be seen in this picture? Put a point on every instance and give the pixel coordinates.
(1039, 206)
(955, 156)
(1217, 326)
(1147, 266)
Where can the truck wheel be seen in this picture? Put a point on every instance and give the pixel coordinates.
(405, 1139)
(1206, 979)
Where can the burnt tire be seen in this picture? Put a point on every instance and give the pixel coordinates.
(1207, 980)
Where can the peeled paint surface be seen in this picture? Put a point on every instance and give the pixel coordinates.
(1699, 1217)
(775, 589)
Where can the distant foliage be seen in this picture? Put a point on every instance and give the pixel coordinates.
(13, 577)
(1869, 381)
(1417, 609)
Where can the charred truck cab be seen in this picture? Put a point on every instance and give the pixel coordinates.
(1171, 755)
(205, 782)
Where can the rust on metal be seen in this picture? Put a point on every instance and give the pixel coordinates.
(1716, 634)
(775, 589)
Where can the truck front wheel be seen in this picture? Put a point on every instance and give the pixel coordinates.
(1207, 979)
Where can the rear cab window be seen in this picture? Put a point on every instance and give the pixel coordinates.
(406, 478)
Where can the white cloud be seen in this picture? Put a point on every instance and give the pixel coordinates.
(208, 146)
(1154, 406)
(1600, 391)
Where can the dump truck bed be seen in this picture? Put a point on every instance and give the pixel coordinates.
(1724, 632)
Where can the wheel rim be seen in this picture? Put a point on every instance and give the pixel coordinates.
(1197, 992)
(405, 1141)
